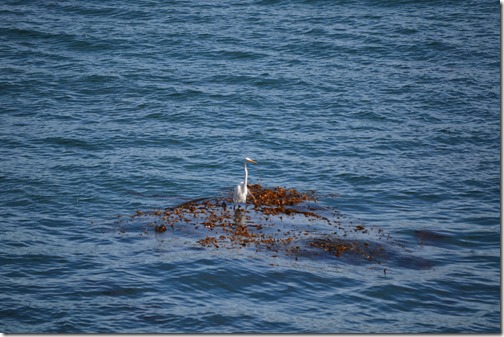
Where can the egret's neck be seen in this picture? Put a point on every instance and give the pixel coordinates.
(246, 174)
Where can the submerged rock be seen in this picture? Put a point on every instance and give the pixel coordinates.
(276, 220)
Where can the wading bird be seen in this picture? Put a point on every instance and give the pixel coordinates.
(241, 191)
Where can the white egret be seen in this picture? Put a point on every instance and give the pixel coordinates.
(241, 191)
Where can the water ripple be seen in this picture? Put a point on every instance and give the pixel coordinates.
(388, 110)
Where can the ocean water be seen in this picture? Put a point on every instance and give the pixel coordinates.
(388, 110)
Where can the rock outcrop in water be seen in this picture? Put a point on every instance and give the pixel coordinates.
(276, 220)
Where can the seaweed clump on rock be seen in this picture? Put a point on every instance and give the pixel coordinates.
(275, 219)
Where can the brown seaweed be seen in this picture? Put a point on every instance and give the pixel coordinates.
(275, 220)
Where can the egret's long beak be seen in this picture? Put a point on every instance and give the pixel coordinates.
(251, 160)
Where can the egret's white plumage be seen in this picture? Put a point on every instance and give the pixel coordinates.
(241, 191)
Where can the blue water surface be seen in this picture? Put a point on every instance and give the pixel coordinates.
(388, 110)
